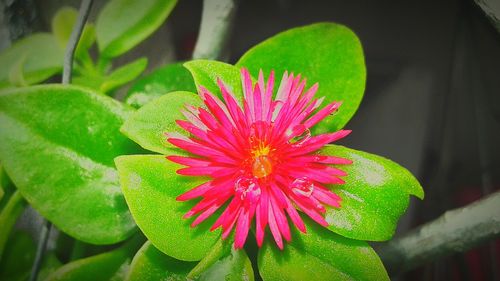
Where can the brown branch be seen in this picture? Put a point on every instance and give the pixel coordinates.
(455, 231)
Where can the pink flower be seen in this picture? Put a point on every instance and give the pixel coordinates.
(261, 158)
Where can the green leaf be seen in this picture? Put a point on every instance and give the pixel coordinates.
(206, 73)
(320, 255)
(8, 217)
(92, 81)
(374, 197)
(86, 41)
(122, 24)
(124, 74)
(50, 264)
(16, 74)
(172, 77)
(327, 53)
(18, 257)
(6, 188)
(148, 125)
(235, 266)
(112, 265)
(150, 264)
(41, 54)
(62, 24)
(150, 185)
(57, 144)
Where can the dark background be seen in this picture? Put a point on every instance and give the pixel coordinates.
(432, 100)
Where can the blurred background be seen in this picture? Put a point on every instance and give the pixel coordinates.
(432, 99)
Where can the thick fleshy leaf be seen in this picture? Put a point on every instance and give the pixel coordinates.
(112, 265)
(6, 187)
(18, 257)
(148, 125)
(57, 144)
(374, 197)
(320, 255)
(62, 24)
(124, 74)
(119, 77)
(327, 53)
(8, 217)
(150, 185)
(172, 77)
(122, 24)
(36, 58)
(150, 264)
(206, 73)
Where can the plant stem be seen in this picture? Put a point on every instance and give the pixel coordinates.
(455, 231)
(40, 250)
(492, 11)
(73, 40)
(216, 21)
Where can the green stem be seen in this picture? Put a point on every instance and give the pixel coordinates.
(220, 248)
(8, 217)
(456, 231)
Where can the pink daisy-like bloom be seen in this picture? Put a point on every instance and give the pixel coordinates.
(261, 158)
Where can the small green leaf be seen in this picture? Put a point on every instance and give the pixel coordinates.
(374, 197)
(150, 264)
(57, 144)
(327, 53)
(86, 41)
(150, 185)
(41, 54)
(16, 74)
(108, 266)
(124, 74)
(93, 82)
(62, 24)
(172, 77)
(320, 255)
(18, 257)
(122, 24)
(206, 73)
(148, 125)
(8, 217)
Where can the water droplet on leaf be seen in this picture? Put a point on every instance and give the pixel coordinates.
(301, 135)
(303, 186)
(247, 189)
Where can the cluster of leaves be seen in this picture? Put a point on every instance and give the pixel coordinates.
(67, 150)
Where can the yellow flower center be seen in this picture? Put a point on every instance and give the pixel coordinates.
(262, 165)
